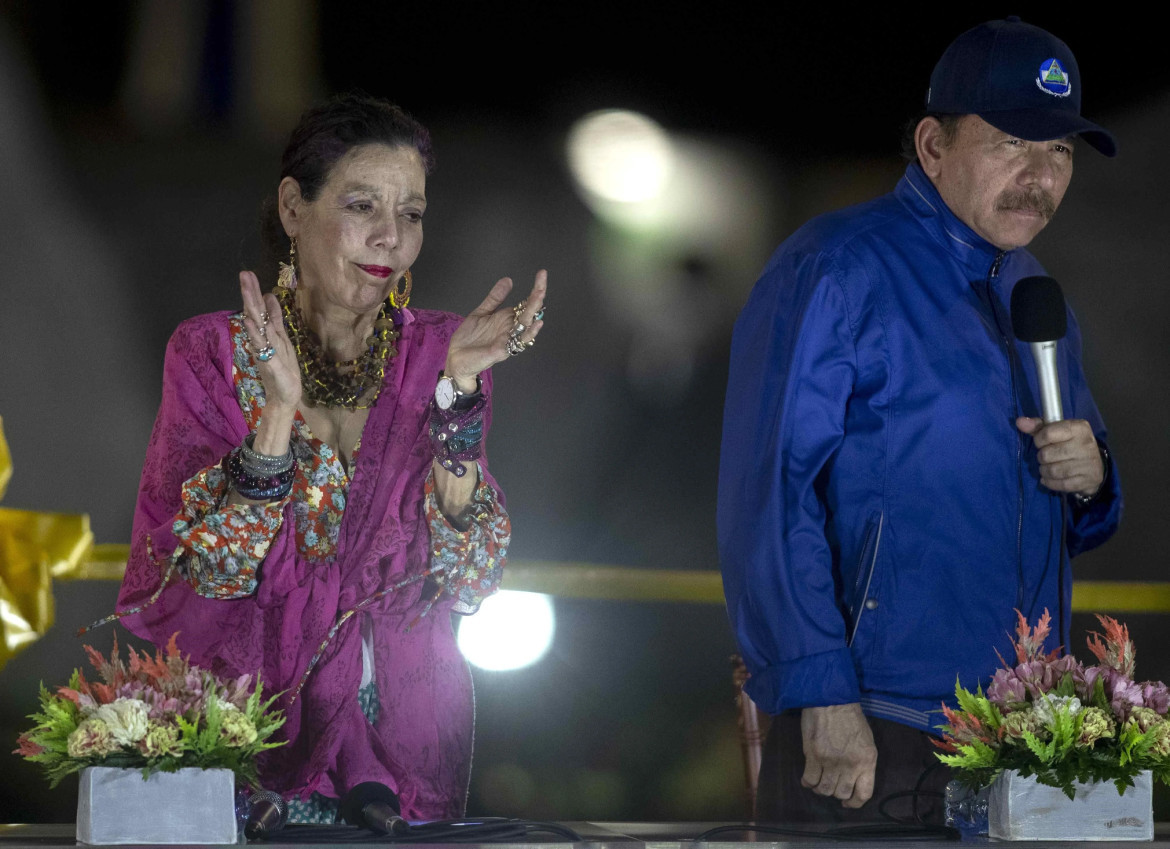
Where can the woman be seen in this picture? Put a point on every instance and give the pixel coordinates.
(314, 501)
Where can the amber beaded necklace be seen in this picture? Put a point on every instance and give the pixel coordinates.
(352, 384)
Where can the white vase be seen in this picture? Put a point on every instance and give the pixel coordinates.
(188, 806)
(1024, 809)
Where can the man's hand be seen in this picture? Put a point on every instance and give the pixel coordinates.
(1070, 460)
(839, 753)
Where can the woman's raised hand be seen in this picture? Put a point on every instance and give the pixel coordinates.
(280, 373)
(491, 333)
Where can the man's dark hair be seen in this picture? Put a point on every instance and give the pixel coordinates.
(324, 135)
(950, 129)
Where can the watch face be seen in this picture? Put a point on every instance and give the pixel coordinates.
(445, 393)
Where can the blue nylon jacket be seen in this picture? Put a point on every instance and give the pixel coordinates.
(880, 517)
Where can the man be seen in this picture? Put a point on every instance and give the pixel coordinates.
(888, 493)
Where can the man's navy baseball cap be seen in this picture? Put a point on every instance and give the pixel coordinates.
(1018, 78)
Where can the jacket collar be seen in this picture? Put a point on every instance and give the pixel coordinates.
(918, 194)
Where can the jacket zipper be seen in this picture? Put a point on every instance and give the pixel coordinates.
(993, 273)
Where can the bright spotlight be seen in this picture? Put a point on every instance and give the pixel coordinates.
(511, 630)
(620, 156)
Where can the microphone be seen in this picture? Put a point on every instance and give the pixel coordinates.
(267, 815)
(1039, 318)
(373, 805)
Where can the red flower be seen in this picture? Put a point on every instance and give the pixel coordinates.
(1114, 648)
(26, 747)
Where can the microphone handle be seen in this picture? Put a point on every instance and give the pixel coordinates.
(384, 819)
(1044, 353)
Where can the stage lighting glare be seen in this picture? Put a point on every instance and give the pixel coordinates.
(511, 630)
(620, 156)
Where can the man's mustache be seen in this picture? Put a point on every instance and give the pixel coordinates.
(1038, 201)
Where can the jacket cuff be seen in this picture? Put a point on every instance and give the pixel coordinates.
(817, 680)
(1092, 524)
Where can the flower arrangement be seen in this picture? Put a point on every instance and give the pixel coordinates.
(1063, 722)
(160, 714)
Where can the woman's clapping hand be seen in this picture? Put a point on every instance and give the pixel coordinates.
(492, 332)
(280, 372)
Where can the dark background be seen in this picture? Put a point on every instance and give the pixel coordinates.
(138, 139)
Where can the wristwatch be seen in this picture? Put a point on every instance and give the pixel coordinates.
(448, 395)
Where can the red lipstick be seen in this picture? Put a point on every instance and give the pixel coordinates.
(382, 271)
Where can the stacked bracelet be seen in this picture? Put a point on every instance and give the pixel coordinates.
(264, 464)
(260, 476)
(457, 435)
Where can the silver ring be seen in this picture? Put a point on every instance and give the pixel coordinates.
(515, 346)
(265, 353)
(264, 317)
(539, 315)
(517, 329)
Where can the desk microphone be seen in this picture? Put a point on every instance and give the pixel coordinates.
(373, 805)
(1039, 318)
(267, 815)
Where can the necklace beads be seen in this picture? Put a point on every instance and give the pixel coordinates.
(350, 384)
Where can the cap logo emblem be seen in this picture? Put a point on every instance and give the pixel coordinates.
(1053, 79)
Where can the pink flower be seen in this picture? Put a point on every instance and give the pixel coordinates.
(1155, 695)
(1042, 675)
(1086, 680)
(238, 691)
(1124, 695)
(1006, 688)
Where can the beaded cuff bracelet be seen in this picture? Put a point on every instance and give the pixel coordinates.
(263, 465)
(258, 486)
(457, 435)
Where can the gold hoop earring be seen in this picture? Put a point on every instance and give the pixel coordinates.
(399, 298)
(287, 279)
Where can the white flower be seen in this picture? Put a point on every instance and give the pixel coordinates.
(1046, 706)
(126, 718)
(223, 704)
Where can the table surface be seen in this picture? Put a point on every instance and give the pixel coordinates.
(596, 835)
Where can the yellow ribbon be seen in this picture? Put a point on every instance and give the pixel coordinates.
(34, 549)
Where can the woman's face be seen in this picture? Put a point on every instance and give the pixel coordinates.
(364, 230)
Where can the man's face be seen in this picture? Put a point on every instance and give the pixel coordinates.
(1002, 187)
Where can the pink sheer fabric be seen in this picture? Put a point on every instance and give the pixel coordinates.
(421, 745)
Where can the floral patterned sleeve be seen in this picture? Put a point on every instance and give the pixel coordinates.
(221, 545)
(468, 565)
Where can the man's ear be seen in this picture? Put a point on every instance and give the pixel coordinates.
(930, 145)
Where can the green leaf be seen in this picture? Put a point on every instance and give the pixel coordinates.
(1043, 751)
(1098, 697)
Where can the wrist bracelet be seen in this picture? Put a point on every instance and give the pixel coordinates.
(258, 487)
(457, 434)
(264, 463)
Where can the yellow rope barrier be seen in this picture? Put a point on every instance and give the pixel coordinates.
(698, 586)
(38, 548)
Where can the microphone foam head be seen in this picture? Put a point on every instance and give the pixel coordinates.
(363, 794)
(1038, 313)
